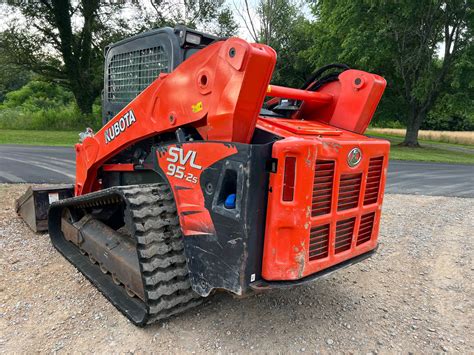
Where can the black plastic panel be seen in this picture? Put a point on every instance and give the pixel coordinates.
(232, 258)
(163, 40)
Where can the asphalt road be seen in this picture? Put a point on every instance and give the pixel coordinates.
(433, 179)
(31, 164)
(34, 164)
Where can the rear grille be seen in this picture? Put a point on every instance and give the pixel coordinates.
(373, 180)
(322, 187)
(131, 72)
(365, 228)
(341, 234)
(344, 231)
(319, 242)
(349, 190)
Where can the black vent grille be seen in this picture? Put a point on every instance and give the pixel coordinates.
(374, 176)
(344, 232)
(319, 242)
(322, 187)
(349, 190)
(366, 227)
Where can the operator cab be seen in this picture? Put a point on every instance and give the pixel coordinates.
(134, 63)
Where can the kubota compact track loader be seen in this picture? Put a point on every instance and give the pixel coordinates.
(196, 183)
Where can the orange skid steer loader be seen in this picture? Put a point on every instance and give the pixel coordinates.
(205, 176)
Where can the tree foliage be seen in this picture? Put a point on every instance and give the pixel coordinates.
(38, 95)
(282, 25)
(65, 44)
(415, 45)
(212, 16)
(454, 109)
(63, 40)
(424, 48)
(12, 77)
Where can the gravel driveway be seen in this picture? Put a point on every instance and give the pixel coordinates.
(415, 295)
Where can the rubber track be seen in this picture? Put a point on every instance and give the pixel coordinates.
(151, 218)
(158, 235)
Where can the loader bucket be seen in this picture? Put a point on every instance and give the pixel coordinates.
(33, 205)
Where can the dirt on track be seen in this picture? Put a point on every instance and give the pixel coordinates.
(415, 295)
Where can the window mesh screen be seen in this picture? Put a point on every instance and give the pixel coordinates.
(130, 73)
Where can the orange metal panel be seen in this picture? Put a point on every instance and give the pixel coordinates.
(219, 90)
(290, 224)
(303, 127)
(118, 167)
(355, 97)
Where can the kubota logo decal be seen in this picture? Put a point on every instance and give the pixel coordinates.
(120, 126)
(354, 157)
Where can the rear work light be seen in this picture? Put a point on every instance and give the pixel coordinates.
(193, 38)
(289, 179)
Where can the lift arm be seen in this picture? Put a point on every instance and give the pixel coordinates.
(218, 90)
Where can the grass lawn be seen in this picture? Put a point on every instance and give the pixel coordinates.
(57, 138)
(430, 151)
(429, 154)
(452, 137)
(399, 139)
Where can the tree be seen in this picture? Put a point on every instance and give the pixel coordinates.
(281, 25)
(58, 48)
(63, 40)
(399, 40)
(211, 16)
(12, 77)
(227, 27)
(418, 31)
(454, 109)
